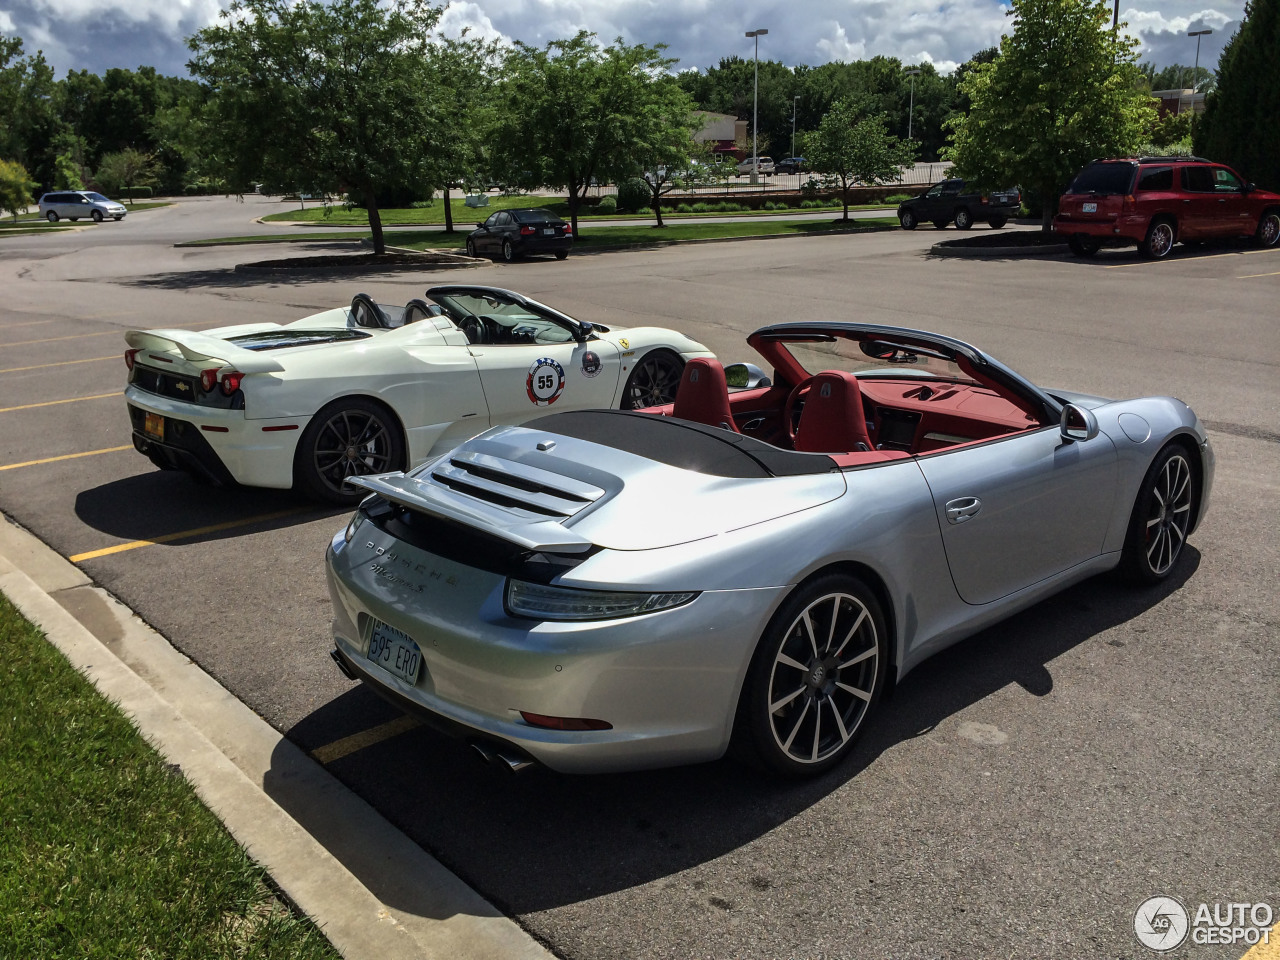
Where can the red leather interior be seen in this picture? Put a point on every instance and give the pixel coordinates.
(862, 458)
(833, 420)
(703, 395)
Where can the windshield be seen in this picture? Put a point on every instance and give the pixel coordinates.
(1103, 178)
(506, 322)
(819, 353)
(97, 198)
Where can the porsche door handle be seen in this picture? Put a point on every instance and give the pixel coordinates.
(962, 509)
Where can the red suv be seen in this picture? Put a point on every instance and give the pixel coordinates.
(1157, 201)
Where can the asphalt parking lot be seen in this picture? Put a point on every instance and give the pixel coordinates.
(1019, 796)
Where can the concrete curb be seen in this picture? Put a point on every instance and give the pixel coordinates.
(373, 892)
(943, 249)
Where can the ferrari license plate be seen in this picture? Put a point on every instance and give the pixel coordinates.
(392, 650)
(1089, 207)
(548, 231)
(153, 426)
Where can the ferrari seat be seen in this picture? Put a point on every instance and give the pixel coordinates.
(833, 420)
(703, 395)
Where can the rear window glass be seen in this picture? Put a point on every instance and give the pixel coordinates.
(1156, 178)
(1104, 178)
(533, 216)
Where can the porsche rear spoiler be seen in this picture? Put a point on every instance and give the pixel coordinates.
(541, 536)
(199, 348)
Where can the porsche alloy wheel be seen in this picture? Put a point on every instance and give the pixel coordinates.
(1161, 517)
(653, 382)
(816, 675)
(348, 438)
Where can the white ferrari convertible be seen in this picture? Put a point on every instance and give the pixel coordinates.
(373, 388)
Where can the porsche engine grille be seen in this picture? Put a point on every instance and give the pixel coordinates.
(519, 486)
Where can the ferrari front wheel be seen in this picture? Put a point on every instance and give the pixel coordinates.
(348, 438)
(1161, 517)
(816, 675)
(654, 381)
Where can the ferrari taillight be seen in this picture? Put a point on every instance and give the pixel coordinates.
(231, 382)
(208, 379)
(129, 356)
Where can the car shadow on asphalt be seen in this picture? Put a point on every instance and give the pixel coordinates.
(540, 840)
(161, 503)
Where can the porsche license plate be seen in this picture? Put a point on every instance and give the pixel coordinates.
(394, 651)
(548, 231)
(153, 426)
(1089, 208)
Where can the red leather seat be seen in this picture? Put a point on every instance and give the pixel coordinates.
(833, 420)
(703, 395)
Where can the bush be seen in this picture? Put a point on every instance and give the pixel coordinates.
(607, 205)
(897, 198)
(700, 207)
(810, 204)
(684, 208)
(422, 204)
(633, 195)
(137, 192)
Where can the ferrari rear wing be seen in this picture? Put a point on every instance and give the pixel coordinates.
(199, 348)
(547, 536)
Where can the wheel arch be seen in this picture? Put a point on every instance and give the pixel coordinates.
(368, 398)
(1191, 445)
(876, 583)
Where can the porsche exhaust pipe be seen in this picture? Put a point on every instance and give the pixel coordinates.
(509, 761)
(341, 661)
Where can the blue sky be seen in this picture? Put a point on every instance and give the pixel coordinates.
(97, 34)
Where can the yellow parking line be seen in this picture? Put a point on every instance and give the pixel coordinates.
(1207, 256)
(66, 456)
(1266, 951)
(118, 331)
(185, 534)
(30, 323)
(54, 403)
(60, 363)
(1274, 273)
(366, 738)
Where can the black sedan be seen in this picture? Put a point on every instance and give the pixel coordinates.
(513, 233)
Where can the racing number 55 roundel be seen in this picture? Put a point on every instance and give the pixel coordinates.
(545, 382)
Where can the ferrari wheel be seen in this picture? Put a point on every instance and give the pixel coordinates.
(907, 219)
(1161, 517)
(654, 381)
(348, 438)
(816, 675)
(508, 252)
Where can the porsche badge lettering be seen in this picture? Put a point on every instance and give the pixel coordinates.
(545, 382)
(591, 365)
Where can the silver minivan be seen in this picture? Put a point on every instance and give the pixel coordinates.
(74, 204)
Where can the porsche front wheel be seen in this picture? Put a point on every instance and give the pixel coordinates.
(654, 381)
(816, 675)
(1161, 517)
(348, 438)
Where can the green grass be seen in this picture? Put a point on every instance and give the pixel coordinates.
(106, 851)
(25, 230)
(464, 216)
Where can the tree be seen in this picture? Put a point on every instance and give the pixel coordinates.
(321, 96)
(853, 147)
(15, 188)
(1239, 126)
(465, 94)
(1177, 77)
(29, 119)
(1064, 90)
(574, 112)
(124, 170)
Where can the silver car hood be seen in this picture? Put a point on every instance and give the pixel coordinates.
(562, 494)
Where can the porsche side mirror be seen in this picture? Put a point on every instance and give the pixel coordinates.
(745, 376)
(1078, 423)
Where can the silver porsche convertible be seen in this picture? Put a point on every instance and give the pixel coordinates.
(603, 590)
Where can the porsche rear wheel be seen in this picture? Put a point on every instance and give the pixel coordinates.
(654, 381)
(1161, 517)
(348, 438)
(816, 675)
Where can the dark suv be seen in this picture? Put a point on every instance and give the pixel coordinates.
(1157, 201)
(947, 202)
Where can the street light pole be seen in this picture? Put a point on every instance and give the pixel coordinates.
(794, 100)
(1195, 72)
(755, 105)
(913, 73)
